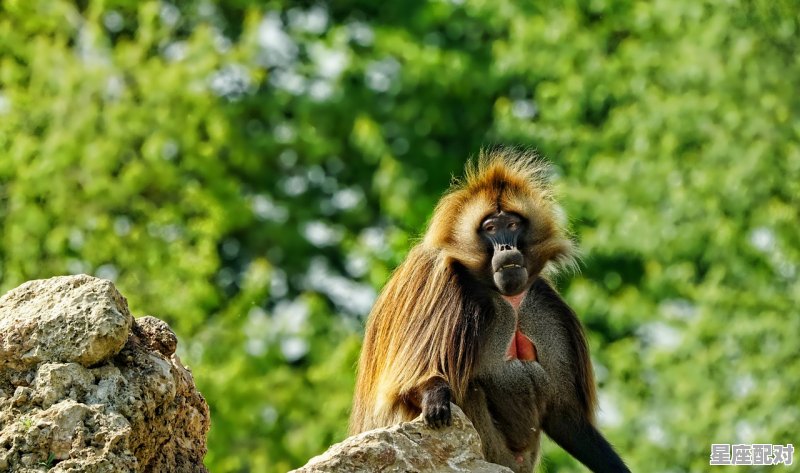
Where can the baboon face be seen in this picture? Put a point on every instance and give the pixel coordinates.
(502, 231)
(500, 225)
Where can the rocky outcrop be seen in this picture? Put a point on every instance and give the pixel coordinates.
(86, 388)
(410, 446)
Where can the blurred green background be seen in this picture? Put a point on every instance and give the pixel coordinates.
(251, 172)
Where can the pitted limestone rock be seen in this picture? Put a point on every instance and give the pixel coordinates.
(409, 446)
(85, 388)
(77, 319)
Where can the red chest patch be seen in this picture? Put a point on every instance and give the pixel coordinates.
(521, 348)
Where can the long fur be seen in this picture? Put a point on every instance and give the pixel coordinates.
(427, 321)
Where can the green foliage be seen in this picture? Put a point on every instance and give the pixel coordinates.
(26, 422)
(251, 172)
(49, 462)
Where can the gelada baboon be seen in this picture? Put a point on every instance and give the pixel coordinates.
(468, 317)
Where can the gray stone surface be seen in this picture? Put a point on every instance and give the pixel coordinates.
(77, 319)
(85, 388)
(407, 447)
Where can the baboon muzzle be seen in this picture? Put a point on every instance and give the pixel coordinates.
(510, 275)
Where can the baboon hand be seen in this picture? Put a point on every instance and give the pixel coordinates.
(436, 405)
(437, 415)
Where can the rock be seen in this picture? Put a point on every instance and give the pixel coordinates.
(409, 446)
(77, 319)
(156, 334)
(86, 388)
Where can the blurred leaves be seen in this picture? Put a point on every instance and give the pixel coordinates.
(251, 172)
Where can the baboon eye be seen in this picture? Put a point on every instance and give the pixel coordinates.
(489, 228)
(512, 226)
